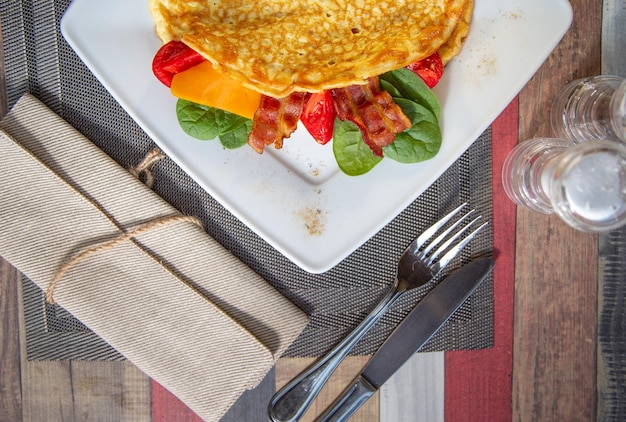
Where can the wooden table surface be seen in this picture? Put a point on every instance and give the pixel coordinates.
(544, 365)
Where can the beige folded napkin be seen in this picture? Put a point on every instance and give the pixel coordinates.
(149, 281)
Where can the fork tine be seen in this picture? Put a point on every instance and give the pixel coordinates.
(444, 246)
(428, 233)
(422, 255)
(448, 256)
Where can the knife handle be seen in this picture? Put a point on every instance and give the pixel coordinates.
(352, 398)
(292, 401)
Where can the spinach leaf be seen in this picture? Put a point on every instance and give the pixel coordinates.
(422, 140)
(353, 156)
(418, 143)
(415, 112)
(412, 87)
(238, 137)
(207, 123)
(390, 88)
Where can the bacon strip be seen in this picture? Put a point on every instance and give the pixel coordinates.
(275, 120)
(373, 110)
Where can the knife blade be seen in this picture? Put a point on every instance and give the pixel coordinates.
(428, 316)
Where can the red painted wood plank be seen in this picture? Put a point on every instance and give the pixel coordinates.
(166, 407)
(478, 383)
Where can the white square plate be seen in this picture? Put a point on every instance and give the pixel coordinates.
(296, 198)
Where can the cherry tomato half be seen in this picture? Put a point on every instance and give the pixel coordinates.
(318, 116)
(172, 58)
(429, 69)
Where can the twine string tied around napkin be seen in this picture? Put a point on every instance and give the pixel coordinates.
(145, 167)
(142, 168)
(149, 226)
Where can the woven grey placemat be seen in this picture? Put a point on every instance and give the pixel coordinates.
(40, 62)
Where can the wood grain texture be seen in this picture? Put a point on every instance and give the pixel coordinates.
(614, 38)
(576, 56)
(554, 371)
(109, 391)
(249, 407)
(416, 392)
(46, 385)
(555, 323)
(10, 377)
(167, 407)
(478, 383)
(47, 391)
(77, 391)
(135, 392)
(253, 403)
(3, 83)
(84, 391)
(288, 368)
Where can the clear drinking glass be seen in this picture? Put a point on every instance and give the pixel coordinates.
(591, 108)
(584, 184)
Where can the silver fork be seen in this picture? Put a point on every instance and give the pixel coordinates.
(417, 266)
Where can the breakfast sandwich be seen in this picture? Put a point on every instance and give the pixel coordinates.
(319, 60)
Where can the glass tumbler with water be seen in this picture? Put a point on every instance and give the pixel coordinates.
(584, 184)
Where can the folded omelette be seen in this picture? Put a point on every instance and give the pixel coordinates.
(278, 47)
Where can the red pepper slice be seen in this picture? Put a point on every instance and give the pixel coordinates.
(429, 69)
(172, 58)
(318, 116)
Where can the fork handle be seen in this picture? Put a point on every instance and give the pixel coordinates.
(351, 400)
(290, 402)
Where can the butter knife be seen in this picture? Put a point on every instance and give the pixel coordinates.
(430, 314)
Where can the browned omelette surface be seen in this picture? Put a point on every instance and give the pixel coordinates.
(453, 45)
(280, 46)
